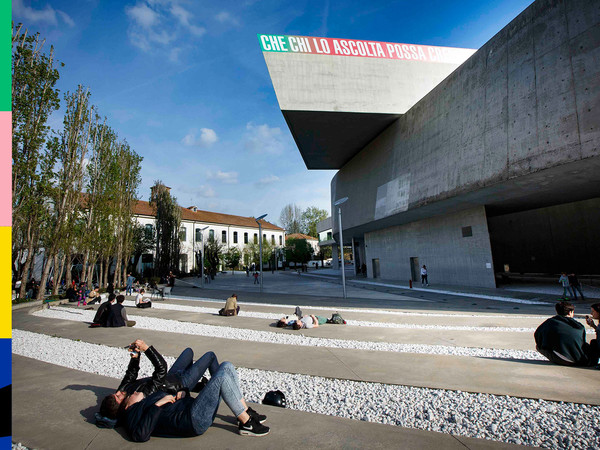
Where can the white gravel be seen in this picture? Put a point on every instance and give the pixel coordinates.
(556, 425)
(241, 334)
(349, 322)
(361, 310)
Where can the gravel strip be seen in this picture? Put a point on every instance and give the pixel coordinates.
(554, 425)
(355, 323)
(360, 310)
(242, 334)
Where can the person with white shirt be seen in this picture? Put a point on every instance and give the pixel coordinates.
(141, 302)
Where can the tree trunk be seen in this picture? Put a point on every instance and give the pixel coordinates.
(59, 275)
(68, 271)
(26, 268)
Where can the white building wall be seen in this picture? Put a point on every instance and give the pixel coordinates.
(190, 244)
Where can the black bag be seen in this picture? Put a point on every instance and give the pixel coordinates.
(336, 319)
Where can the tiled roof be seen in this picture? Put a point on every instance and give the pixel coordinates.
(143, 208)
(300, 236)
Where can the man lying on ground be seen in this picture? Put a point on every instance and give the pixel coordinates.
(182, 377)
(174, 412)
(562, 339)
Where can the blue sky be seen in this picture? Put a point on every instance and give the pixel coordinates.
(185, 82)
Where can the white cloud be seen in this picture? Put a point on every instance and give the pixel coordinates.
(150, 20)
(143, 15)
(46, 15)
(225, 17)
(267, 180)
(184, 18)
(264, 139)
(224, 177)
(207, 138)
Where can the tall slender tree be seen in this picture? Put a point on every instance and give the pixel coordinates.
(168, 220)
(34, 98)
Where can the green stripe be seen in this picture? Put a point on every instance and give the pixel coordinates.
(5, 55)
(271, 46)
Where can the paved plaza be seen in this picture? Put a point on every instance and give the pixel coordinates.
(473, 347)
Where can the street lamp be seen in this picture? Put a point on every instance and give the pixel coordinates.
(258, 219)
(339, 203)
(202, 256)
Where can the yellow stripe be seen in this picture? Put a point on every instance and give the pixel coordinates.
(5, 283)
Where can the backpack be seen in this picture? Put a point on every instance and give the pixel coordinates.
(337, 319)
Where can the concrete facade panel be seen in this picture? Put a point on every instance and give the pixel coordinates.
(307, 82)
(585, 51)
(581, 15)
(519, 102)
(438, 243)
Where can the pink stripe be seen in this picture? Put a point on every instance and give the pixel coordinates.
(5, 169)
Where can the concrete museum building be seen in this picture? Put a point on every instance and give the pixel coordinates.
(473, 163)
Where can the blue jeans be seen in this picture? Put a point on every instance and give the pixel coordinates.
(191, 373)
(224, 384)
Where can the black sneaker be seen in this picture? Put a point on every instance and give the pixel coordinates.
(200, 385)
(260, 417)
(252, 428)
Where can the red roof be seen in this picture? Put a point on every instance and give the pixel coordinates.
(300, 236)
(142, 208)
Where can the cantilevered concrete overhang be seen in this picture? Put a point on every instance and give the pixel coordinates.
(336, 102)
(328, 140)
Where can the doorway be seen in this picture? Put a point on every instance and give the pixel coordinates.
(376, 271)
(415, 270)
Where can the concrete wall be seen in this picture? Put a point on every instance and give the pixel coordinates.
(528, 100)
(549, 240)
(438, 243)
(305, 82)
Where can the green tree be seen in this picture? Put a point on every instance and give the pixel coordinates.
(232, 257)
(168, 220)
(34, 98)
(298, 251)
(70, 148)
(310, 218)
(213, 252)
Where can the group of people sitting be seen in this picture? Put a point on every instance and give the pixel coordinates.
(161, 405)
(562, 339)
(112, 313)
(299, 321)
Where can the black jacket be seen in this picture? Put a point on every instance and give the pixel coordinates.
(101, 316)
(145, 419)
(564, 335)
(115, 317)
(160, 380)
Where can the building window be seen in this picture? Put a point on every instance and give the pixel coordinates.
(273, 239)
(264, 237)
(235, 237)
(183, 263)
(182, 234)
(223, 236)
(245, 238)
(256, 238)
(467, 231)
(149, 231)
(211, 235)
(329, 236)
(280, 240)
(198, 234)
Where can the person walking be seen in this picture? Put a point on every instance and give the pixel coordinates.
(564, 281)
(424, 280)
(256, 278)
(129, 286)
(575, 286)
